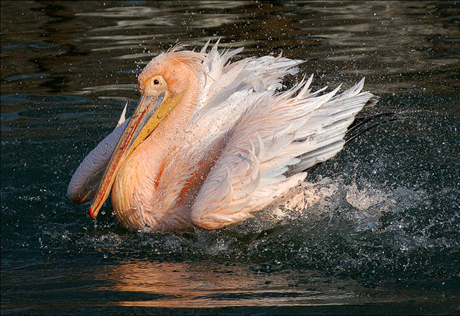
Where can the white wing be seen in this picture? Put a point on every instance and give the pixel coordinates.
(276, 135)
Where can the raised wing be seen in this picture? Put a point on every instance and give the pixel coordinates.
(276, 135)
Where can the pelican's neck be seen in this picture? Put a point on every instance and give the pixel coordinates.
(173, 126)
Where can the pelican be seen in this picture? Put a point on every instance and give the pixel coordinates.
(212, 141)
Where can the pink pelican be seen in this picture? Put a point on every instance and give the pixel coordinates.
(213, 141)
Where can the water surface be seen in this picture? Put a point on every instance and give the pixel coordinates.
(380, 234)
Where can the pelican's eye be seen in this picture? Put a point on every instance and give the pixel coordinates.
(155, 86)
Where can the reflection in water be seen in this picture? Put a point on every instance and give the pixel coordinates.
(206, 284)
(210, 284)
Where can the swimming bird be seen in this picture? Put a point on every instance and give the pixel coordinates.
(213, 141)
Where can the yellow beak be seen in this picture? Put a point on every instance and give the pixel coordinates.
(149, 113)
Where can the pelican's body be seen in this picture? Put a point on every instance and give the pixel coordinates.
(212, 141)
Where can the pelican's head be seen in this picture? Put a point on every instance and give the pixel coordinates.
(177, 68)
(162, 84)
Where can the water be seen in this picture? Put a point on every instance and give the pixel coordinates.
(380, 232)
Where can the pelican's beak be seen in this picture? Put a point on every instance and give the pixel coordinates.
(150, 111)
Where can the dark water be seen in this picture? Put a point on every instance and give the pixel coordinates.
(383, 236)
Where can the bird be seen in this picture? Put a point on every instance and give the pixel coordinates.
(212, 140)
